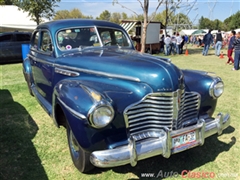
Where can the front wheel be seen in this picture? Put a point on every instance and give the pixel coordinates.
(80, 157)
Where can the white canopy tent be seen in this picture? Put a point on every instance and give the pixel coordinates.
(187, 31)
(237, 30)
(12, 19)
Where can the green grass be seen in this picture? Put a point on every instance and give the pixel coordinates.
(32, 148)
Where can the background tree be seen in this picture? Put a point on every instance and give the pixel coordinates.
(105, 15)
(62, 14)
(38, 10)
(146, 20)
(76, 13)
(205, 23)
(137, 17)
(161, 17)
(72, 14)
(6, 2)
(217, 24)
(181, 21)
(124, 15)
(116, 17)
(170, 8)
(233, 21)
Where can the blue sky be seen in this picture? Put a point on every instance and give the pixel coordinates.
(212, 9)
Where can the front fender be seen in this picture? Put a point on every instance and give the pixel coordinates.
(200, 81)
(76, 101)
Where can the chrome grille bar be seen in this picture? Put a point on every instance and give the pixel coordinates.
(159, 110)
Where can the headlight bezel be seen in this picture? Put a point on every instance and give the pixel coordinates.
(97, 107)
(214, 87)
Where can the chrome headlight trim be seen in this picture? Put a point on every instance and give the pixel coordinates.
(101, 114)
(216, 88)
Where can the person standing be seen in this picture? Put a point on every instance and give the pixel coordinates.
(173, 44)
(218, 43)
(161, 43)
(236, 45)
(186, 38)
(178, 43)
(230, 47)
(167, 42)
(207, 40)
(181, 45)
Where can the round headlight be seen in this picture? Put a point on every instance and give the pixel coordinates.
(102, 116)
(216, 89)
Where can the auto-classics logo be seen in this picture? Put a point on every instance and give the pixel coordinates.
(199, 174)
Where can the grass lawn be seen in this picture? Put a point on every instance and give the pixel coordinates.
(32, 148)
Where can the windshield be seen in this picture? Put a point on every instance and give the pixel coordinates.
(82, 37)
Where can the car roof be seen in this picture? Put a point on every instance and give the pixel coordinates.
(65, 23)
(15, 32)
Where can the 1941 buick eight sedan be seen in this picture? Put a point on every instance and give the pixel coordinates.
(119, 106)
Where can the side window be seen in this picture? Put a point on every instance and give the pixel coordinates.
(46, 43)
(113, 37)
(106, 37)
(34, 43)
(6, 38)
(121, 39)
(23, 37)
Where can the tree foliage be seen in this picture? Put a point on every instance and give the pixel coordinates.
(6, 2)
(38, 10)
(116, 17)
(146, 20)
(170, 8)
(72, 14)
(233, 21)
(105, 15)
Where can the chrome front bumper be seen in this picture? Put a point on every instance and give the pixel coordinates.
(135, 151)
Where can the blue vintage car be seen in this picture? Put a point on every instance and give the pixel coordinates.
(119, 106)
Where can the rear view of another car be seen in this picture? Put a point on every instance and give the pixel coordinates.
(11, 46)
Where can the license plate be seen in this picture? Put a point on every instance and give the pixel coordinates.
(184, 139)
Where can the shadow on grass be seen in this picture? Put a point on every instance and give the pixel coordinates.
(19, 159)
(177, 163)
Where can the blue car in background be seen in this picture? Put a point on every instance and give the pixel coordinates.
(119, 106)
(11, 46)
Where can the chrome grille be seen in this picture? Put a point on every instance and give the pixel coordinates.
(159, 110)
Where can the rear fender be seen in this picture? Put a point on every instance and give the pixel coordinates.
(27, 72)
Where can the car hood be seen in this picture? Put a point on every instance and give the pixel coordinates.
(157, 72)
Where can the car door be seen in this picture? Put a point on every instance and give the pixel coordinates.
(6, 48)
(42, 61)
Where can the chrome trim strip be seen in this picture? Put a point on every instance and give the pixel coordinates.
(66, 72)
(161, 145)
(40, 60)
(110, 75)
(75, 113)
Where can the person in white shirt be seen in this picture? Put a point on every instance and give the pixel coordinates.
(167, 42)
(178, 43)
